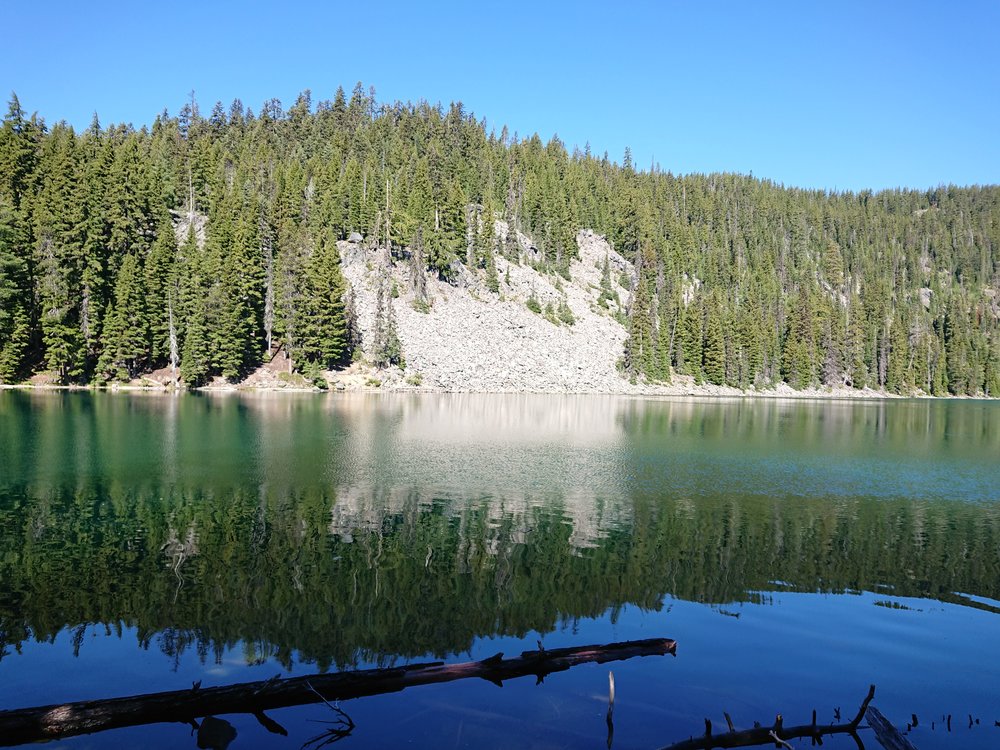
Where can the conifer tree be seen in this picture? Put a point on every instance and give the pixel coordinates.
(897, 377)
(15, 299)
(855, 346)
(98, 259)
(289, 306)
(324, 330)
(639, 347)
(666, 331)
(126, 325)
(191, 311)
(713, 355)
(58, 257)
(18, 312)
(692, 340)
(418, 275)
(485, 253)
(19, 142)
(956, 345)
(160, 283)
(386, 347)
(991, 384)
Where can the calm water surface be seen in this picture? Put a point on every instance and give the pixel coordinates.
(797, 552)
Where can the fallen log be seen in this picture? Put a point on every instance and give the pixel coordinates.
(775, 734)
(63, 720)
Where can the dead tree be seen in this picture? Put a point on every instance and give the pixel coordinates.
(64, 720)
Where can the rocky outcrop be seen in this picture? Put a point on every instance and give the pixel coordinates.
(472, 339)
(183, 221)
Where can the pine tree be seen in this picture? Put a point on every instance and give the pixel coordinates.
(833, 264)
(418, 275)
(191, 311)
(131, 218)
(956, 346)
(19, 141)
(289, 304)
(386, 347)
(665, 334)
(160, 283)
(126, 325)
(58, 257)
(15, 297)
(639, 347)
(713, 355)
(692, 340)
(98, 260)
(897, 377)
(352, 189)
(485, 250)
(195, 361)
(991, 385)
(324, 331)
(798, 364)
(939, 375)
(244, 286)
(855, 346)
(511, 246)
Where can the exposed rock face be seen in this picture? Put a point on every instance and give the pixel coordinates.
(184, 220)
(926, 295)
(689, 289)
(472, 339)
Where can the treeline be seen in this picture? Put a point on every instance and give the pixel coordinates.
(739, 281)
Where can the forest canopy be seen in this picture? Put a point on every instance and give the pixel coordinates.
(207, 242)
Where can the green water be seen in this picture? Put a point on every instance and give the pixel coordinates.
(797, 551)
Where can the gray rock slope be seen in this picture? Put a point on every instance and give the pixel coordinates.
(472, 339)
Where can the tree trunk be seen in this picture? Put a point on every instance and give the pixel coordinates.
(55, 721)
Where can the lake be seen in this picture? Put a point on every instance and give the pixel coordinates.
(797, 551)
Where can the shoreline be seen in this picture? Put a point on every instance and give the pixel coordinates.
(781, 391)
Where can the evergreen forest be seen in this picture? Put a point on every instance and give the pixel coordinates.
(205, 243)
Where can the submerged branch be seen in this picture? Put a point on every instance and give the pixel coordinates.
(776, 734)
(888, 736)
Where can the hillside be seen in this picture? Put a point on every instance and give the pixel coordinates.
(469, 338)
(349, 231)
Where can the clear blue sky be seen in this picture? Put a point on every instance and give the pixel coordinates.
(837, 95)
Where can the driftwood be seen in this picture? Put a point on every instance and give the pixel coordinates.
(62, 720)
(775, 734)
(887, 735)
